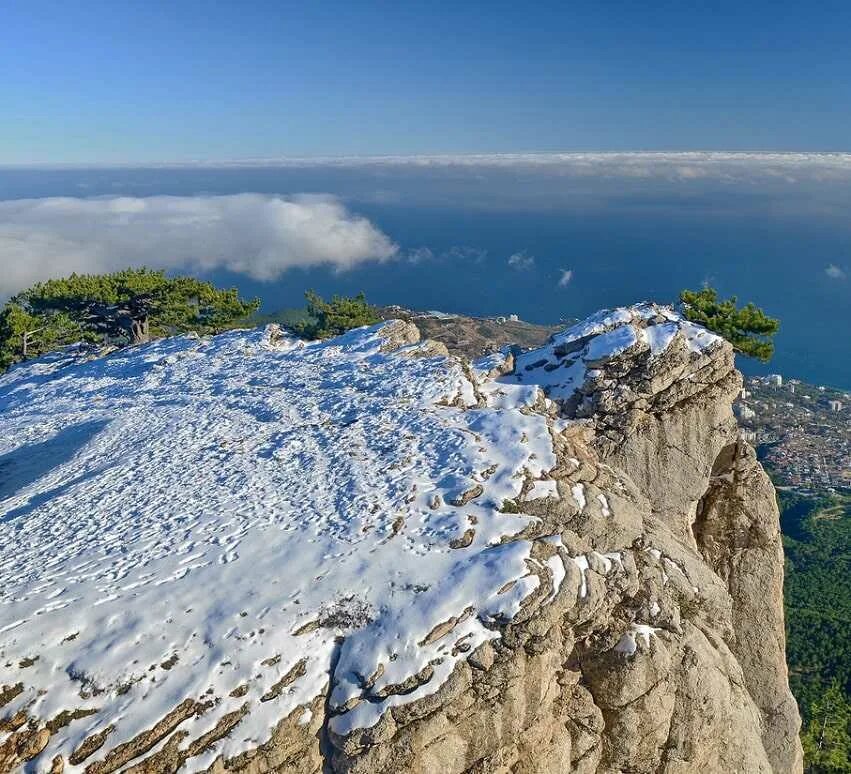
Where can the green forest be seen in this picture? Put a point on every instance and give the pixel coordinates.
(817, 540)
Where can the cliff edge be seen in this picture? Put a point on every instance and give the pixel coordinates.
(247, 553)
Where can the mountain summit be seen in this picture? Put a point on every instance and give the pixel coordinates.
(251, 553)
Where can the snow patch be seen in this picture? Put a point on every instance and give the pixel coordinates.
(578, 492)
(556, 566)
(658, 337)
(542, 489)
(698, 338)
(582, 563)
(612, 343)
(628, 643)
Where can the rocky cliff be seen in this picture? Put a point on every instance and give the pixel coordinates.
(364, 555)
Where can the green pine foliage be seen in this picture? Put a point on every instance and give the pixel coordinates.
(26, 335)
(748, 328)
(817, 541)
(827, 737)
(331, 318)
(125, 307)
(288, 318)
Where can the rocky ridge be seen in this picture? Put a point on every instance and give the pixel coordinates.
(634, 624)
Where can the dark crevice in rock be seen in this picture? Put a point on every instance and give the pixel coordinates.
(326, 748)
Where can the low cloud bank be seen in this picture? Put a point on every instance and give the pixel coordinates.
(252, 234)
(727, 166)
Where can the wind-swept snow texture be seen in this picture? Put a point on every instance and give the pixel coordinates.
(176, 515)
(230, 519)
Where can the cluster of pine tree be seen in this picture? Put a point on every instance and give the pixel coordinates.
(135, 305)
(125, 307)
(331, 318)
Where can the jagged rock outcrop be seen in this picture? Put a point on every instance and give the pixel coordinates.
(576, 565)
(736, 532)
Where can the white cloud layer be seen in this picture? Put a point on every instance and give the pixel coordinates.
(521, 260)
(252, 234)
(454, 253)
(566, 277)
(729, 166)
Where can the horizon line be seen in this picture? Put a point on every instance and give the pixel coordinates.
(439, 159)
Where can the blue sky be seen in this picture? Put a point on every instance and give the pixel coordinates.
(151, 81)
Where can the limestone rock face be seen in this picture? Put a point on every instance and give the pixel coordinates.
(650, 634)
(674, 661)
(736, 531)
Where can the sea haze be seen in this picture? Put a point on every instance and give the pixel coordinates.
(547, 237)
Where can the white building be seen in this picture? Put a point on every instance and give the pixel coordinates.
(775, 380)
(835, 405)
(745, 412)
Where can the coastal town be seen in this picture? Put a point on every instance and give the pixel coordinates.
(801, 431)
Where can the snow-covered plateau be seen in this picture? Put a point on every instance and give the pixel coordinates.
(206, 532)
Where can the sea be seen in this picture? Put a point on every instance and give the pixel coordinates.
(547, 242)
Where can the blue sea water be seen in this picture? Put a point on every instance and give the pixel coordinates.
(784, 245)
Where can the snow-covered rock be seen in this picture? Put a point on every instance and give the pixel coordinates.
(248, 552)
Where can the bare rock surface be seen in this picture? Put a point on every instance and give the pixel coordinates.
(562, 559)
(471, 337)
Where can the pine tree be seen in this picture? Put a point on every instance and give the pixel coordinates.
(24, 335)
(331, 318)
(748, 329)
(827, 738)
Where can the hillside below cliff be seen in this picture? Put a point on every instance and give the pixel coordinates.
(251, 553)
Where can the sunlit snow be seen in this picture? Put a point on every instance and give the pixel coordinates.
(202, 517)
